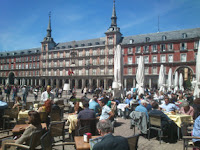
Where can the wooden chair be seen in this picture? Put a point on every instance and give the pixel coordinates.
(34, 142)
(10, 116)
(47, 142)
(133, 142)
(155, 124)
(88, 122)
(81, 131)
(187, 138)
(56, 129)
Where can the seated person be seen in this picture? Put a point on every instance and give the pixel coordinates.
(94, 105)
(196, 132)
(128, 101)
(187, 109)
(109, 142)
(46, 107)
(18, 102)
(106, 112)
(167, 106)
(86, 113)
(142, 107)
(55, 106)
(35, 125)
(77, 107)
(196, 106)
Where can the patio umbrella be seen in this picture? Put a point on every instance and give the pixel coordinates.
(176, 82)
(181, 82)
(140, 75)
(170, 79)
(118, 71)
(197, 89)
(161, 79)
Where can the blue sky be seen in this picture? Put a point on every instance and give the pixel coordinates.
(24, 22)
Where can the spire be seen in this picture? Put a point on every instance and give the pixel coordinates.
(114, 17)
(49, 26)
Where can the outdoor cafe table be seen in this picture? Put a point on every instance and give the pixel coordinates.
(80, 144)
(18, 128)
(180, 118)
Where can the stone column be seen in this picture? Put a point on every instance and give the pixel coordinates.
(105, 84)
(31, 82)
(125, 83)
(27, 81)
(133, 82)
(90, 83)
(149, 82)
(46, 82)
(83, 83)
(35, 82)
(51, 82)
(40, 82)
(76, 83)
(98, 82)
(20, 82)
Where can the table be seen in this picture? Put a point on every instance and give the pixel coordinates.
(122, 106)
(180, 118)
(18, 128)
(80, 144)
(23, 114)
(72, 120)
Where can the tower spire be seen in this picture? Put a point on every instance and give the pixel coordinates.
(49, 26)
(114, 17)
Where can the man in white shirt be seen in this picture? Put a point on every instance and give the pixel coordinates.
(47, 94)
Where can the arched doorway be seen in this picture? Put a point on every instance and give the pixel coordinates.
(129, 83)
(49, 82)
(80, 84)
(94, 84)
(102, 83)
(73, 84)
(54, 83)
(60, 83)
(110, 81)
(87, 83)
(67, 81)
(187, 73)
(43, 82)
(11, 78)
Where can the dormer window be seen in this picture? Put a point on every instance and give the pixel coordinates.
(184, 35)
(29, 52)
(69, 46)
(97, 43)
(131, 41)
(89, 44)
(63, 47)
(76, 45)
(147, 39)
(104, 42)
(8, 54)
(82, 44)
(164, 38)
(57, 47)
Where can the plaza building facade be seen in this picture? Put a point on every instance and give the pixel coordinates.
(91, 62)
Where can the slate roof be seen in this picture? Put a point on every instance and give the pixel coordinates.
(156, 37)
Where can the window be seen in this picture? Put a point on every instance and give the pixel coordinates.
(110, 71)
(29, 73)
(162, 47)
(26, 66)
(44, 56)
(170, 47)
(61, 55)
(94, 72)
(67, 54)
(80, 62)
(94, 52)
(80, 72)
(164, 38)
(154, 70)
(61, 63)
(86, 72)
(196, 44)
(154, 48)
(110, 61)
(154, 59)
(94, 61)
(49, 64)
(38, 58)
(137, 59)
(12, 67)
(101, 61)
(30, 58)
(12, 60)
(102, 71)
(130, 50)
(184, 35)
(55, 64)
(146, 49)
(87, 62)
(80, 53)
(146, 59)
(26, 59)
(55, 72)
(183, 46)
(33, 65)
(146, 70)
(147, 39)
(122, 51)
(30, 66)
(55, 55)
(38, 65)
(110, 40)
(110, 51)
(163, 58)
(19, 66)
(67, 63)
(129, 71)
(138, 49)
(61, 73)
(49, 73)
(170, 58)
(183, 57)
(131, 41)
(102, 51)
(130, 60)
(33, 59)
(87, 53)
(44, 65)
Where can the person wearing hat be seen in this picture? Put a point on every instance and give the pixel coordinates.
(186, 109)
(142, 107)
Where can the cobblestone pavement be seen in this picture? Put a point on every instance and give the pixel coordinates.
(123, 129)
